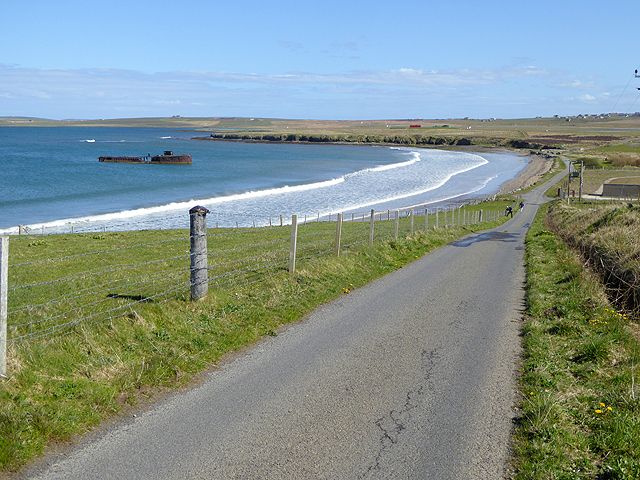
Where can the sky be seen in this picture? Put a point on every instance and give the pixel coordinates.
(317, 59)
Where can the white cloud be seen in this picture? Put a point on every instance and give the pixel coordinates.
(587, 98)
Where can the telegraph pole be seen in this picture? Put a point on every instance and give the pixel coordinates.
(581, 180)
(569, 183)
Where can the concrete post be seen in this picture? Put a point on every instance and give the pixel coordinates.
(412, 213)
(198, 256)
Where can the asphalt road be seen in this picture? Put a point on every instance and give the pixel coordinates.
(410, 377)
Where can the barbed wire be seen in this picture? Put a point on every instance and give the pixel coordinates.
(84, 275)
(85, 303)
(105, 299)
(98, 252)
(55, 328)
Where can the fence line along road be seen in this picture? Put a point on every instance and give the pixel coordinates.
(48, 294)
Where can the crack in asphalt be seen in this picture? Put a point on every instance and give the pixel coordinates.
(393, 424)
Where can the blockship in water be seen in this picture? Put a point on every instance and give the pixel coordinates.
(167, 158)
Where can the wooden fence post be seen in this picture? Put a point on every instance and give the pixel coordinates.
(293, 246)
(396, 224)
(4, 278)
(338, 233)
(480, 216)
(198, 236)
(281, 220)
(372, 221)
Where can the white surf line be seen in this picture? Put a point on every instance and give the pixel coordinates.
(411, 194)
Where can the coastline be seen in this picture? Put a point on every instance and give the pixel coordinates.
(536, 168)
(526, 175)
(538, 164)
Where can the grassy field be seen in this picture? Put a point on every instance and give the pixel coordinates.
(580, 407)
(99, 322)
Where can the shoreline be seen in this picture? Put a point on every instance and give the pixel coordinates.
(533, 170)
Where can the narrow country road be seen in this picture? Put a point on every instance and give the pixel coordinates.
(410, 377)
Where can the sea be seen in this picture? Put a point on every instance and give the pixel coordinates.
(51, 180)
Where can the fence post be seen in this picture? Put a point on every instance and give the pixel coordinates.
(480, 216)
(412, 212)
(372, 221)
(396, 224)
(4, 277)
(198, 256)
(338, 233)
(280, 220)
(437, 221)
(293, 245)
(426, 219)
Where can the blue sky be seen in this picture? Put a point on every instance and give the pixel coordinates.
(317, 59)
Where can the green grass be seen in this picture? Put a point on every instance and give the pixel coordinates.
(593, 179)
(580, 407)
(137, 333)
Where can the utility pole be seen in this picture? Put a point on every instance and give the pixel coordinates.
(569, 183)
(581, 180)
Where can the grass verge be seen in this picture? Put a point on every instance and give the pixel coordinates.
(122, 342)
(580, 407)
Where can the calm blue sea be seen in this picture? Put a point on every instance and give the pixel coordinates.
(52, 177)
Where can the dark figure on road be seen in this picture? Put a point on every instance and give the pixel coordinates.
(508, 211)
(521, 205)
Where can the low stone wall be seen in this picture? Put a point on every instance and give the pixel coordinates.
(621, 190)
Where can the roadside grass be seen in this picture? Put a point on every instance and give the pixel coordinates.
(580, 406)
(128, 330)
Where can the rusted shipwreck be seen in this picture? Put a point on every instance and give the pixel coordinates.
(167, 158)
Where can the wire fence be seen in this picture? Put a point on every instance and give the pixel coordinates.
(56, 282)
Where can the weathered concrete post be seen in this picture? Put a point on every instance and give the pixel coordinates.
(396, 224)
(426, 219)
(198, 256)
(372, 221)
(281, 220)
(437, 219)
(480, 216)
(293, 245)
(4, 277)
(338, 233)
